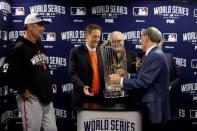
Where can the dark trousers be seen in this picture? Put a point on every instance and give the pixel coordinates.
(147, 125)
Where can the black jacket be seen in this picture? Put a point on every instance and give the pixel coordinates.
(81, 74)
(26, 67)
(131, 57)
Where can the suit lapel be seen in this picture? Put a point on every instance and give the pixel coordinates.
(100, 64)
(85, 55)
(143, 66)
(99, 57)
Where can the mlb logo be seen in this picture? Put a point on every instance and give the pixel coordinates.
(170, 37)
(105, 36)
(195, 12)
(18, 11)
(54, 87)
(80, 11)
(193, 113)
(140, 11)
(49, 36)
(194, 63)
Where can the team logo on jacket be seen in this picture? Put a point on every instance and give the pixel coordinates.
(40, 59)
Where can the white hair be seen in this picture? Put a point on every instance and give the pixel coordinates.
(115, 33)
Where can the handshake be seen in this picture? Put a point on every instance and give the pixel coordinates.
(115, 79)
(120, 74)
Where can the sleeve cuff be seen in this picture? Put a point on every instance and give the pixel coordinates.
(121, 82)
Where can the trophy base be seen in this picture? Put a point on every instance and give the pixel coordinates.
(114, 93)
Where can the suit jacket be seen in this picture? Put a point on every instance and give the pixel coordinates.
(81, 73)
(175, 75)
(153, 80)
(175, 82)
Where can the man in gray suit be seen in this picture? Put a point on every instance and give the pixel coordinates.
(152, 80)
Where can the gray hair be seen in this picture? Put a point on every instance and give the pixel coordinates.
(114, 33)
(153, 34)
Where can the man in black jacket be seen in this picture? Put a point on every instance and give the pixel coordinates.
(27, 71)
(117, 37)
(86, 73)
(117, 41)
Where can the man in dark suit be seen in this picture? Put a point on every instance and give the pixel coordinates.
(86, 68)
(153, 79)
(175, 83)
(175, 74)
(116, 38)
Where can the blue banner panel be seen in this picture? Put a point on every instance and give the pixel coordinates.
(176, 20)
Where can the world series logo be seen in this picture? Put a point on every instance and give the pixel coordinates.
(171, 13)
(195, 12)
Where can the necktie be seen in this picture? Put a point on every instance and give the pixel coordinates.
(96, 79)
(143, 59)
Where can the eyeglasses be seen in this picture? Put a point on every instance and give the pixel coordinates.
(117, 41)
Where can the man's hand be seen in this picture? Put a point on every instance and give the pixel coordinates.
(138, 63)
(122, 73)
(114, 79)
(86, 91)
(28, 96)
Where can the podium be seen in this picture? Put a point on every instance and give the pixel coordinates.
(108, 117)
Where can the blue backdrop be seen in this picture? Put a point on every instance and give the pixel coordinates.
(176, 20)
